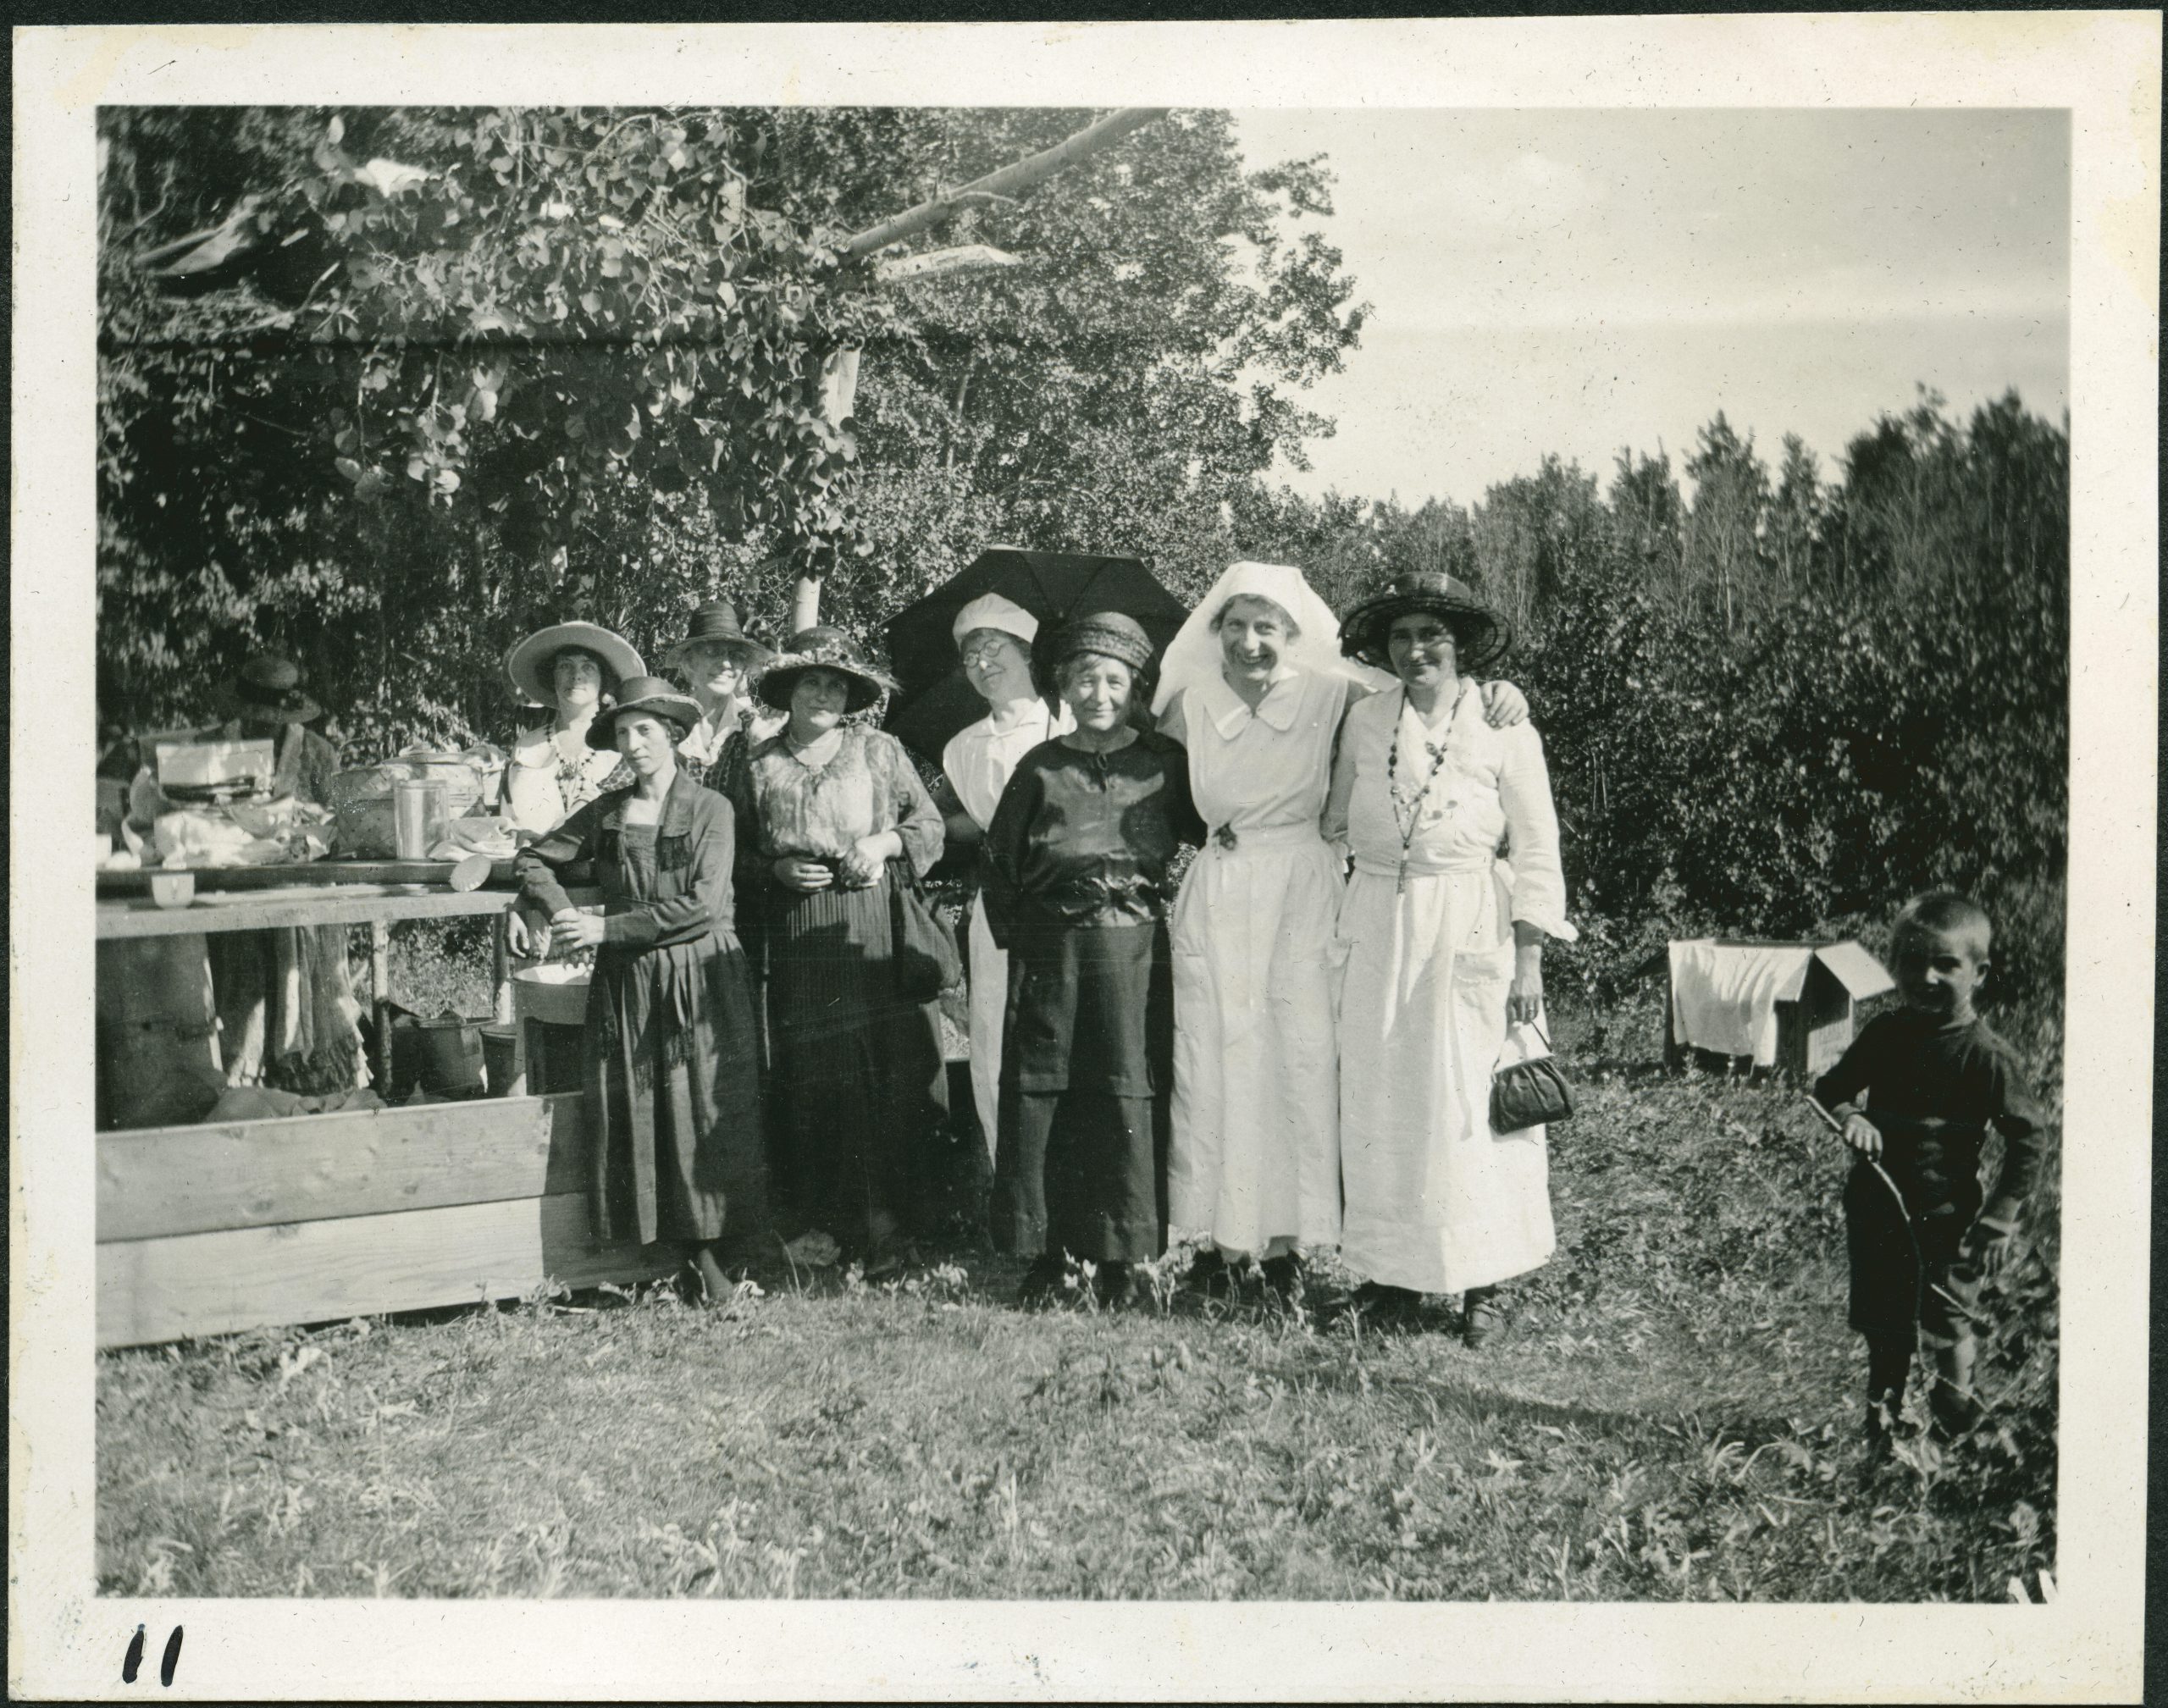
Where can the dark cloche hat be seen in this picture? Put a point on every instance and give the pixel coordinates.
(822, 648)
(1480, 634)
(648, 694)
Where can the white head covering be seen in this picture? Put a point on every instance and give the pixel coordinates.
(992, 610)
(1194, 656)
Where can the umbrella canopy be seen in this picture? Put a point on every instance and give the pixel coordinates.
(936, 699)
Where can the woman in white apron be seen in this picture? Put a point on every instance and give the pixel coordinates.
(1255, 687)
(995, 636)
(1443, 947)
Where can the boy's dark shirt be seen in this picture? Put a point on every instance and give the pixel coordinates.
(1934, 1088)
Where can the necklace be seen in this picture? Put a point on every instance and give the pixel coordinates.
(1405, 823)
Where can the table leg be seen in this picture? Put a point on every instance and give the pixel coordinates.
(380, 996)
(500, 970)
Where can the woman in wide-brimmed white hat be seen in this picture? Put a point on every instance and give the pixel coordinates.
(573, 669)
(995, 635)
(1443, 940)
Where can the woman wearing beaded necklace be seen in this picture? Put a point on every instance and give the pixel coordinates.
(1443, 942)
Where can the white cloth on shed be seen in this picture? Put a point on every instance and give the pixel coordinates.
(1724, 995)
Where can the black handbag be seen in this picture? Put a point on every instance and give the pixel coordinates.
(1531, 1093)
(924, 949)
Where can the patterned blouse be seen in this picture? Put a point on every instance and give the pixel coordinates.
(786, 806)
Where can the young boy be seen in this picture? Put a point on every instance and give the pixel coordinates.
(1916, 1092)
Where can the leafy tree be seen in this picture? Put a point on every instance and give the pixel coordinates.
(411, 381)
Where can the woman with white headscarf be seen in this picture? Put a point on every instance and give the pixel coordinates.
(995, 635)
(1255, 687)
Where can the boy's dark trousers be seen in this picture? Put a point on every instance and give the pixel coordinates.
(1911, 1279)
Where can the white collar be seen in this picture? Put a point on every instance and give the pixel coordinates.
(1229, 711)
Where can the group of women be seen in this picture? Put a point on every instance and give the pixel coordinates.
(1267, 1050)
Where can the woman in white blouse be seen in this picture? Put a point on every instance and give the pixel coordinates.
(1442, 941)
(995, 636)
(573, 669)
(1255, 687)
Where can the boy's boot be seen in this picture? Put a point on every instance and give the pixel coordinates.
(1953, 1413)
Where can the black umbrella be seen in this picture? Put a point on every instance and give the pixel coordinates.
(936, 699)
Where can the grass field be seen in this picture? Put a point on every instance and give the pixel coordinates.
(1674, 1413)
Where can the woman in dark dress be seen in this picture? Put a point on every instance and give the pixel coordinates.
(1075, 867)
(672, 1067)
(831, 815)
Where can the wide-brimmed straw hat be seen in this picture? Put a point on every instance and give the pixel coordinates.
(824, 647)
(268, 689)
(717, 623)
(648, 694)
(1480, 635)
(530, 661)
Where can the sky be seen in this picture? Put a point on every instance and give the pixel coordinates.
(1578, 281)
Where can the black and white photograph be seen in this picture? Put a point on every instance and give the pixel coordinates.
(1192, 848)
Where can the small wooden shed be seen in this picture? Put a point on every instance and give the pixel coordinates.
(1783, 1005)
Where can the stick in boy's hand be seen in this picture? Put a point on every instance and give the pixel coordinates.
(1856, 1129)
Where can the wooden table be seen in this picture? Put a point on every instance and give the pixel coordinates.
(376, 905)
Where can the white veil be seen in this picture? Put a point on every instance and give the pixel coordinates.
(1193, 656)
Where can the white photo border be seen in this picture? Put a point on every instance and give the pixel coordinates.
(66, 1641)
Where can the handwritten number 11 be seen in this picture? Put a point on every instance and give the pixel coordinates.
(133, 1661)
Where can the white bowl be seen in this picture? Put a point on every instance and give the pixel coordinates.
(552, 992)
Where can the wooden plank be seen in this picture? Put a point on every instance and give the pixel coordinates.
(158, 1181)
(297, 874)
(328, 905)
(314, 1272)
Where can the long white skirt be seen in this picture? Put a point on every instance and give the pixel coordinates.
(1437, 1201)
(989, 1003)
(1256, 1150)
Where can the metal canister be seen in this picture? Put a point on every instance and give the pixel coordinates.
(419, 817)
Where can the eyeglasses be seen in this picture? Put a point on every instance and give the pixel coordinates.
(986, 651)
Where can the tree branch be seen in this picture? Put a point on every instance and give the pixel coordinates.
(1022, 175)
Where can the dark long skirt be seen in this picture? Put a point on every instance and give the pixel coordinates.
(1087, 1076)
(860, 1084)
(673, 1069)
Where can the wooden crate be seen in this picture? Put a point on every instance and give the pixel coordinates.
(206, 1229)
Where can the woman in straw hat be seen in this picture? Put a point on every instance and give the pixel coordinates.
(1075, 866)
(995, 635)
(831, 815)
(1255, 687)
(1444, 953)
(673, 1072)
(573, 669)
